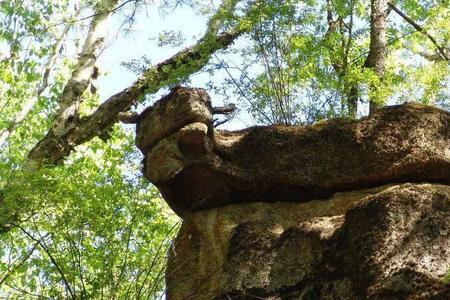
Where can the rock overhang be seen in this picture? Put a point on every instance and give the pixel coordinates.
(197, 167)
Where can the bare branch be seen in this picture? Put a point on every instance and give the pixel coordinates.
(95, 14)
(224, 110)
(442, 51)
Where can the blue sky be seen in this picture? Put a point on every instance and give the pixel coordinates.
(142, 41)
(126, 46)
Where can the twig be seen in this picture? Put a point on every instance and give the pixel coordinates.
(421, 30)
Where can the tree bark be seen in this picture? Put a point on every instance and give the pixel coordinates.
(352, 101)
(69, 131)
(376, 59)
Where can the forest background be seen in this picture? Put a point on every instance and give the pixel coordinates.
(77, 220)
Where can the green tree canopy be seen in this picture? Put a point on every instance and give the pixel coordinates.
(76, 219)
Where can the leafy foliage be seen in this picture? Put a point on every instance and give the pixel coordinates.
(90, 228)
(305, 61)
(94, 230)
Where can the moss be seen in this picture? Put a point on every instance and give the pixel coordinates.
(446, 279)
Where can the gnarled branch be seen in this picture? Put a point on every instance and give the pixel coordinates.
(58, 144)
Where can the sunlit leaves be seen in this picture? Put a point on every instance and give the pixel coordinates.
(95, 225)
(170, 38)
(322, 49)
(88, 228)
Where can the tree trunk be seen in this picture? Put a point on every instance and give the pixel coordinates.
(376, 59)
(352, 101)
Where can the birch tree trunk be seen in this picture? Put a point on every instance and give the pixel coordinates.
(71, 97)
(70, 131)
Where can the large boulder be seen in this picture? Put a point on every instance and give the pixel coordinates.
(342, 209)
(386, 243)
(197, 167)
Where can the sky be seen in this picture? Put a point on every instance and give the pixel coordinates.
(142, 40)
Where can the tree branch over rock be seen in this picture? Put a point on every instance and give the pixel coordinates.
(62, 139)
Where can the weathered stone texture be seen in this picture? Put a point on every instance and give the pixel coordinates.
(339, 210)
(394, 244)
(181, 107)
(406, 143)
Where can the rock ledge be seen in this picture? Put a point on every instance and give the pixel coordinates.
(197, 167)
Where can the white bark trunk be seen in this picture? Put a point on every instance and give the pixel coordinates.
(69, 132)
(71, 96)
(23, 113)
